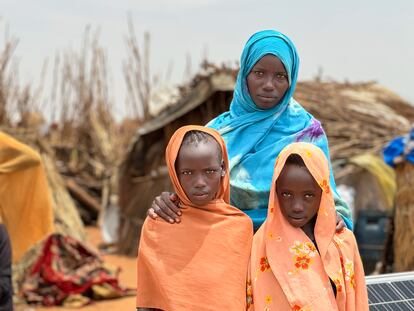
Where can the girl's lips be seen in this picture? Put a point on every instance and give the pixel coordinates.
(297, 220)
(200, 195)
(267, 97)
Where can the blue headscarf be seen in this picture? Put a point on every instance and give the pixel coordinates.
(255, 136)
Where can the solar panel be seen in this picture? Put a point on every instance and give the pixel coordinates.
(394, 291)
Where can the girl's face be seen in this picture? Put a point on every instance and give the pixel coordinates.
(299, 195)
(267, 82)
(199, 171)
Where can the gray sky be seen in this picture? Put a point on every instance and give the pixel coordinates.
(353, 39)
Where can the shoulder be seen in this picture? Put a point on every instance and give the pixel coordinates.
(345, 233)
(218, 122)
(296, 109)
(345, 238)
(296, 112)
(150, 225)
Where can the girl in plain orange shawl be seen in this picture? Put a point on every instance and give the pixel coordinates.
(200, 263)
(298, 261)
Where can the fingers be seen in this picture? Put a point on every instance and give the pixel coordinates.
(170, 201)
(151, 213)
(174, 199)
(156, 206)
(165, 208)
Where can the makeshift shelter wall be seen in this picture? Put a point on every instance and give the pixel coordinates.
(66, 217)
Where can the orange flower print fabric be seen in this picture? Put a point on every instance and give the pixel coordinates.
(324, 184)
(264, 264)
(287, 270)
(349, 272)
(303, 254)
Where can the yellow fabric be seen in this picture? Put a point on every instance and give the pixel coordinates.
(25, 205)
(383, 173)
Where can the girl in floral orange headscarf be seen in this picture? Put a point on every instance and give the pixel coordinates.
(298, 261)
(200, 263)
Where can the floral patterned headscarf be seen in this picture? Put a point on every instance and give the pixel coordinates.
(287, 270)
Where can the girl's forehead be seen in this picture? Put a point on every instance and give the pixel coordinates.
(295, 169)
(269, 59)
(295, 174)
(209, 142)
(204, 149)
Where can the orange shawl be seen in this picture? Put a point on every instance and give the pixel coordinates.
(200, 263)
(286, 271)
(25, 205)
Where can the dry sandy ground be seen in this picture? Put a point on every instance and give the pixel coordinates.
(126, 277)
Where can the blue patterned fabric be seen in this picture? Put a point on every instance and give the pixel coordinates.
(254, 137)
(400, 149)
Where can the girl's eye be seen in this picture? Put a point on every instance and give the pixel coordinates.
(210, 171)
(281, 76)
(258, 73)
(286, 194)
(186, 172)
(309, 195)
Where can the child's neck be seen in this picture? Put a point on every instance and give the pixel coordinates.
(309, 229)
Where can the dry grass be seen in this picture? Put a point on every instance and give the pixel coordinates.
(404, 219)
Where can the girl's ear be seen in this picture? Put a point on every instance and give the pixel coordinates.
(223, 169)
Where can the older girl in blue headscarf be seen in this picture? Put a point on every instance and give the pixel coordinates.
(263, 119)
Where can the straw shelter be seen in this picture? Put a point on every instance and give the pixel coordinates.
(404, 218)
(357, 117)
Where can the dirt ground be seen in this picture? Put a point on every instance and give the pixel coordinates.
(127, 279)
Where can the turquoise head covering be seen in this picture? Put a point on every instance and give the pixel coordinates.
(261, 44)
(254, 136)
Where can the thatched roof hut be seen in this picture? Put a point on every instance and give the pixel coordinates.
(357, 118)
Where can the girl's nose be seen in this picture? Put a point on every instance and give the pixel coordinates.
(269, 84)
(199, 181)
(297, 206)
